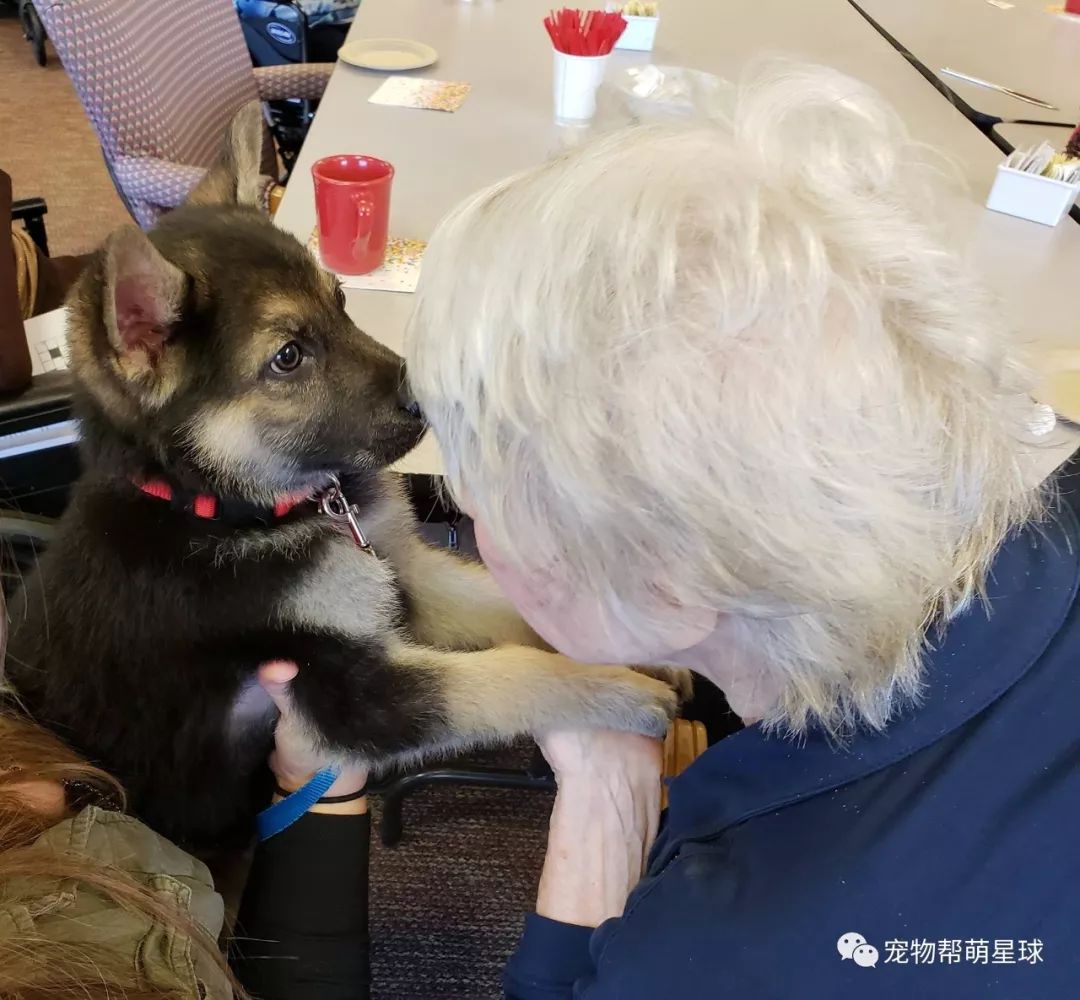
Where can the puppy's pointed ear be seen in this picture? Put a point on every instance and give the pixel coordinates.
(144, 297)
(235, 179)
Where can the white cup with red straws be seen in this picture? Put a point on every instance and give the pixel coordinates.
(583, 41)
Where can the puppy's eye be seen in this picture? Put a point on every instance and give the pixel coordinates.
(288, 359)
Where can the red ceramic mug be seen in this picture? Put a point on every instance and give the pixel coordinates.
(352, 204)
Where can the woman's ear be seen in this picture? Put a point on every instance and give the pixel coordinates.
(678, 628)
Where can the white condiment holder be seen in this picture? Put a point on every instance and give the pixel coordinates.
(1031, 196)
(639, 33)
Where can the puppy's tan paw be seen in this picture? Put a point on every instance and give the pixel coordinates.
(679, 679)
(632, 702)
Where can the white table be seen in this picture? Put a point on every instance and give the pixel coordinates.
(506, 124)
(1022, 47)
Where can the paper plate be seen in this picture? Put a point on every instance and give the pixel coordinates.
(387, 54)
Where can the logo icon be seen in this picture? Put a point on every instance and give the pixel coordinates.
(865, 955)
(281, 33)
(848, 943)
(854, 946)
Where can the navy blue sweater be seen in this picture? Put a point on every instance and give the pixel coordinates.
(950, 844)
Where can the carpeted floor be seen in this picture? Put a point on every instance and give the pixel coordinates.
(49, 148)
(448, 902)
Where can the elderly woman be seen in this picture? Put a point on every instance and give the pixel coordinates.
(716, 397)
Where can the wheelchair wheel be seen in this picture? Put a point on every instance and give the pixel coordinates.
(33, 30)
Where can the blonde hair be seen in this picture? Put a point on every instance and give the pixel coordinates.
(727, 365)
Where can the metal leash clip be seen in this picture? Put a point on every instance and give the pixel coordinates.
(335, 505)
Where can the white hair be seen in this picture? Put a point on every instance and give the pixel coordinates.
(729, 363)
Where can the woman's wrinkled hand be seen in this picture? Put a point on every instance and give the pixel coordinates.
(603, 755)
(602, 824)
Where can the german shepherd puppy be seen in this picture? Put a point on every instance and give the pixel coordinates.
(220, 382)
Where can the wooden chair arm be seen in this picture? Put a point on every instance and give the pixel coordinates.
(273, 198)
(684, 743)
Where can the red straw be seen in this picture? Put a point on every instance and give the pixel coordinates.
(551, 31)
(584, 33)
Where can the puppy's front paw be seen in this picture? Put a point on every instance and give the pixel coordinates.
(679, 678)
(632, 702)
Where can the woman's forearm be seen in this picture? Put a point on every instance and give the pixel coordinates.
(602, 826)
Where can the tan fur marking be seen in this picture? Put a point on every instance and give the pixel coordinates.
(348, 591)
(226, 438)
(280, 308)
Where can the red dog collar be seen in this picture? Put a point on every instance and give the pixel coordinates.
(212, 508)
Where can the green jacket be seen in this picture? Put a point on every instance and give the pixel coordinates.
(66, 910)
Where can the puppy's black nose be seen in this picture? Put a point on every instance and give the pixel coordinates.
(406, 401)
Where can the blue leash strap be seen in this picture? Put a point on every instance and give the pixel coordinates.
(281, 815)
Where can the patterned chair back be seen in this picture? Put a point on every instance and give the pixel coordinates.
(157, 78)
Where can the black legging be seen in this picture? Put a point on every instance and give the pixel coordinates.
(302, 931)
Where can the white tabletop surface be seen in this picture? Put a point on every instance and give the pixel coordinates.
(1022, 47)
(506, 124)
